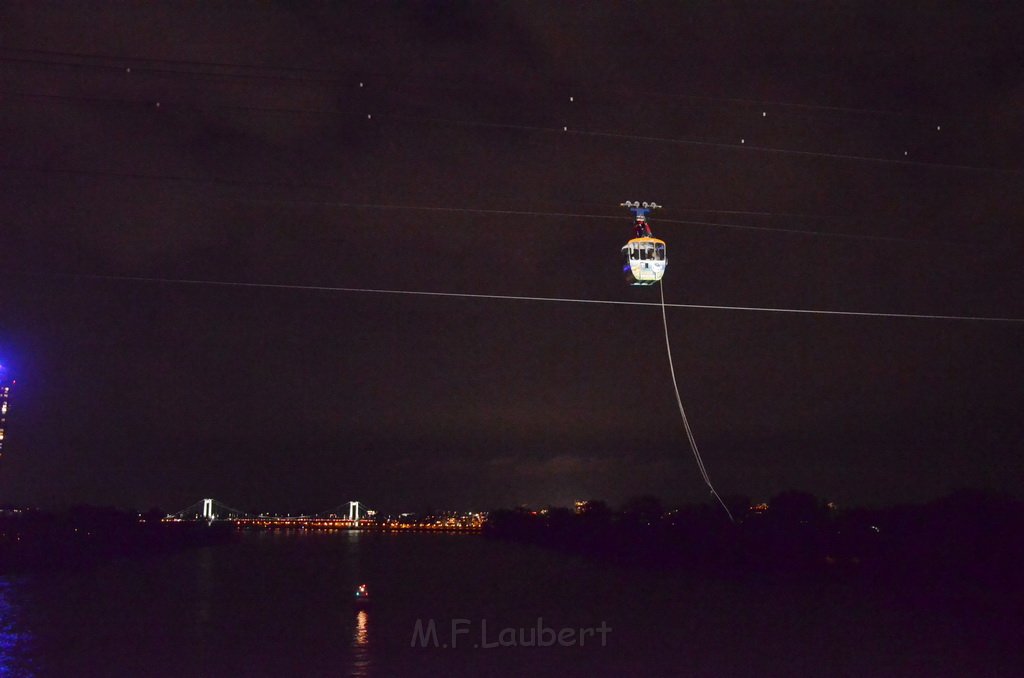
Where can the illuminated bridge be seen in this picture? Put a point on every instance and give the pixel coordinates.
(351, 515)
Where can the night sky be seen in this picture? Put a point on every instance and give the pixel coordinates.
(157, 394)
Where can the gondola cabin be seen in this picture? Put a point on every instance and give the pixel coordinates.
(645, 261)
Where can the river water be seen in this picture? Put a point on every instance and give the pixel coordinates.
(280, 604)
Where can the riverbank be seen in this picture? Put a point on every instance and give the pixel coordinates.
(966, 540)
(36, 540)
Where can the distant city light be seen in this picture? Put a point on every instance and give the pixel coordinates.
(5, 393)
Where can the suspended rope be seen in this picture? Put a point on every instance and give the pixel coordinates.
(511, 297)
(121, 63)
(288, 72)
(219, 504)
(682, 411)
(706, 142)
(240, 183)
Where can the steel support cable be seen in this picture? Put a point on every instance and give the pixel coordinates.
(708, 143)
(334, 75)
(542, 129)
(688, 222)
(510, 297)
(215, 181)
(229, 509)
(682, 411)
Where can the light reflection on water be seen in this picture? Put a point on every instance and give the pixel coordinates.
(361, 645)
(280, 604)
(13, 640)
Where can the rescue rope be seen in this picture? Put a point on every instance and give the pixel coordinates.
(682, 411)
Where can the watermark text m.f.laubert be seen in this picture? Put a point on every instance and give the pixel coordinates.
(460, 633)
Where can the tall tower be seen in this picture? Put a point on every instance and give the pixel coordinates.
(5, 394)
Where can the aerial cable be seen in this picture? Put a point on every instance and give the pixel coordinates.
(681, 141)
(626, 136)
(230, 509)
(682, 411)
(340, 76)
(688, 222)
(510, 297)
(215, 181)
(792, 151)
(120, 68)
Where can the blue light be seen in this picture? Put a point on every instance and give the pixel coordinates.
(13, 639)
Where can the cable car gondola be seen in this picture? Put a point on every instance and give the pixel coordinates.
(644, 256)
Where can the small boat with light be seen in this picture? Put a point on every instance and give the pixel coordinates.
(362, 596)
